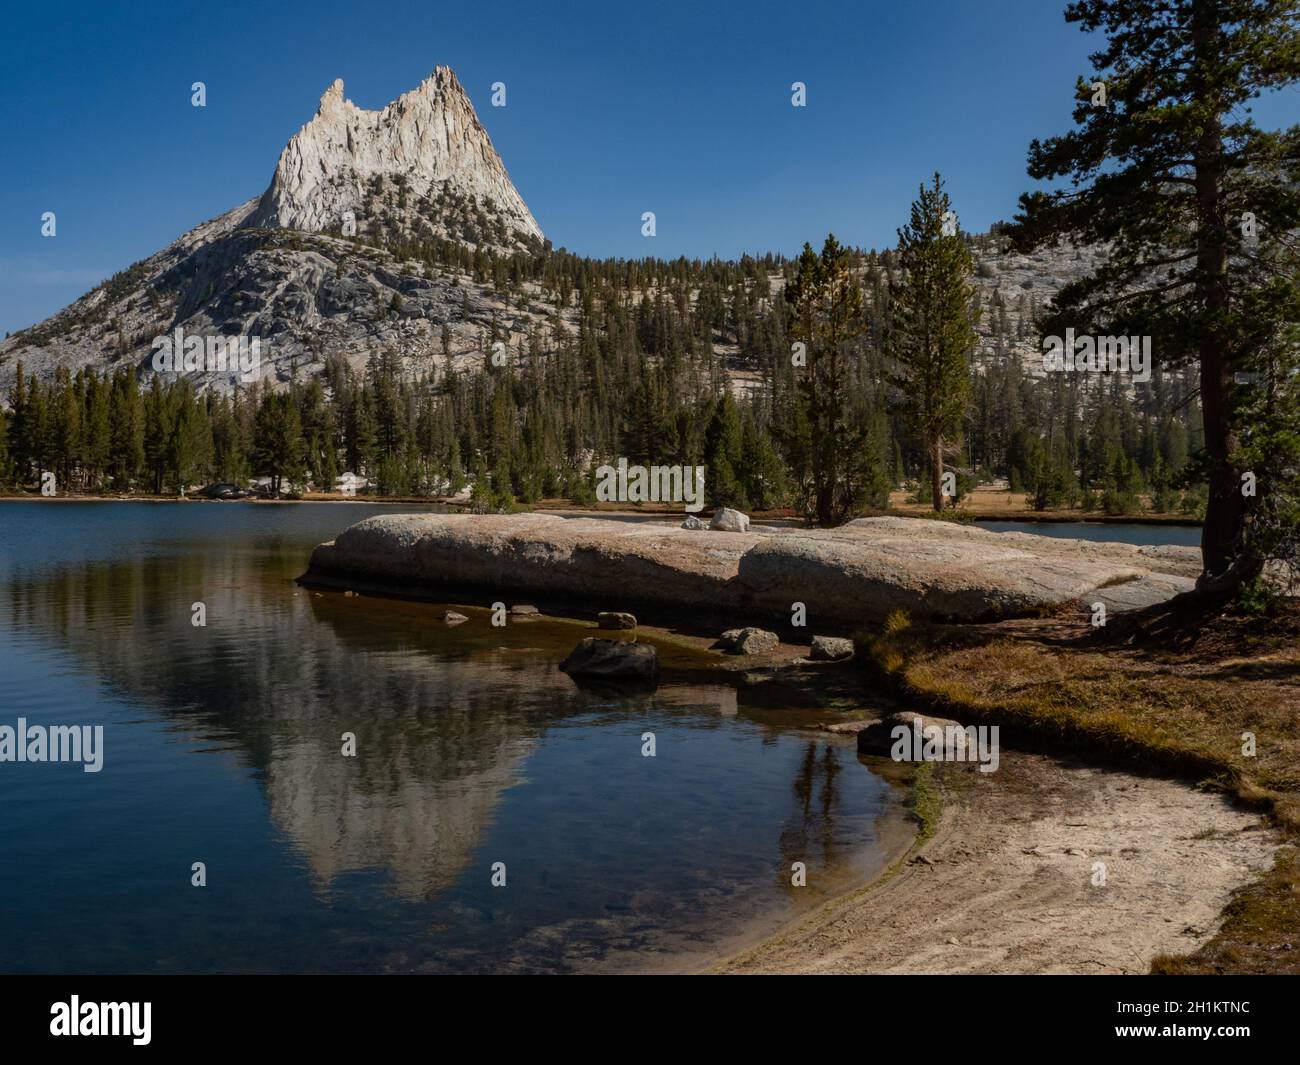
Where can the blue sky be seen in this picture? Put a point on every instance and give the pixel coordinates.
(678, 108)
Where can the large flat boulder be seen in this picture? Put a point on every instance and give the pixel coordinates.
(858, 572)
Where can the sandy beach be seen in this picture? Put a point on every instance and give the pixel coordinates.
(1006, 882)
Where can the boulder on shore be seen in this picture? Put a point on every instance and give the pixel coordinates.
(728, 520)
(750, 641)
(880, 737)
(615, 619)
(855, 574)
(601, 659)
(830, 649)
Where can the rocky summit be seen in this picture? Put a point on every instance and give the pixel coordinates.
(412, 161)
(304, 267)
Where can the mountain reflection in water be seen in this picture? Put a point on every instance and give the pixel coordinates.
(223, 745)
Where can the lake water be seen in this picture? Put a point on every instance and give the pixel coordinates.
(1141, 535)
(222, 745)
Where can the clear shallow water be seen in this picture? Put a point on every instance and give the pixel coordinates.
(1141, 535)
(222, 745)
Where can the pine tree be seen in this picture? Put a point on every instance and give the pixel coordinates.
(1193, 200)
(157, 432)
(278, 445)
(65, 427)
(20, 447)
(933, 332)
(125, 430)
(97, 428)
(722, 456)
(826, 446)
(762, 473)
(189, 445)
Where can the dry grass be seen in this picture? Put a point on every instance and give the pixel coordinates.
(1259, 934)
(998, 504)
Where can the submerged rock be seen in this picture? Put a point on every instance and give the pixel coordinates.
(728, 520)
(694, 523)
(523, 610)
(451, 617)
(849, 728)
(876, 738)
(612, 619)
(602, 659)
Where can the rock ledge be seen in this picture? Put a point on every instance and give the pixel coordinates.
(857, 573)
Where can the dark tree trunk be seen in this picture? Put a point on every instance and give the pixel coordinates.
(1226, 507)
(936, 470)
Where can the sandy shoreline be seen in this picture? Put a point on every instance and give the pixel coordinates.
(1005, 884)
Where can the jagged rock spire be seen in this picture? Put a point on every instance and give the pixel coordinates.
(424, 163)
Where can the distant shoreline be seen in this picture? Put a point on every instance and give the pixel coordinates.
(564, 507)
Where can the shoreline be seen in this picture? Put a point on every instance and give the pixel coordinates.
(894, 840)
(1007, 883)
(998, 881)
(566, 509)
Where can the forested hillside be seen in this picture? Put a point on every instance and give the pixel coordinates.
(545, 364)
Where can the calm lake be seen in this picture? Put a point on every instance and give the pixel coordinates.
(1141, 535)
(222, 745)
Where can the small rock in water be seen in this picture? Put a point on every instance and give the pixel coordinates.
(349, 594)
(849, 728)
(876, 738)
(523, 610)
(451, 617)
(614, 619)
(612, 660)
(728, 520)
(830, 649)
(692, 522)
(749, 641)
